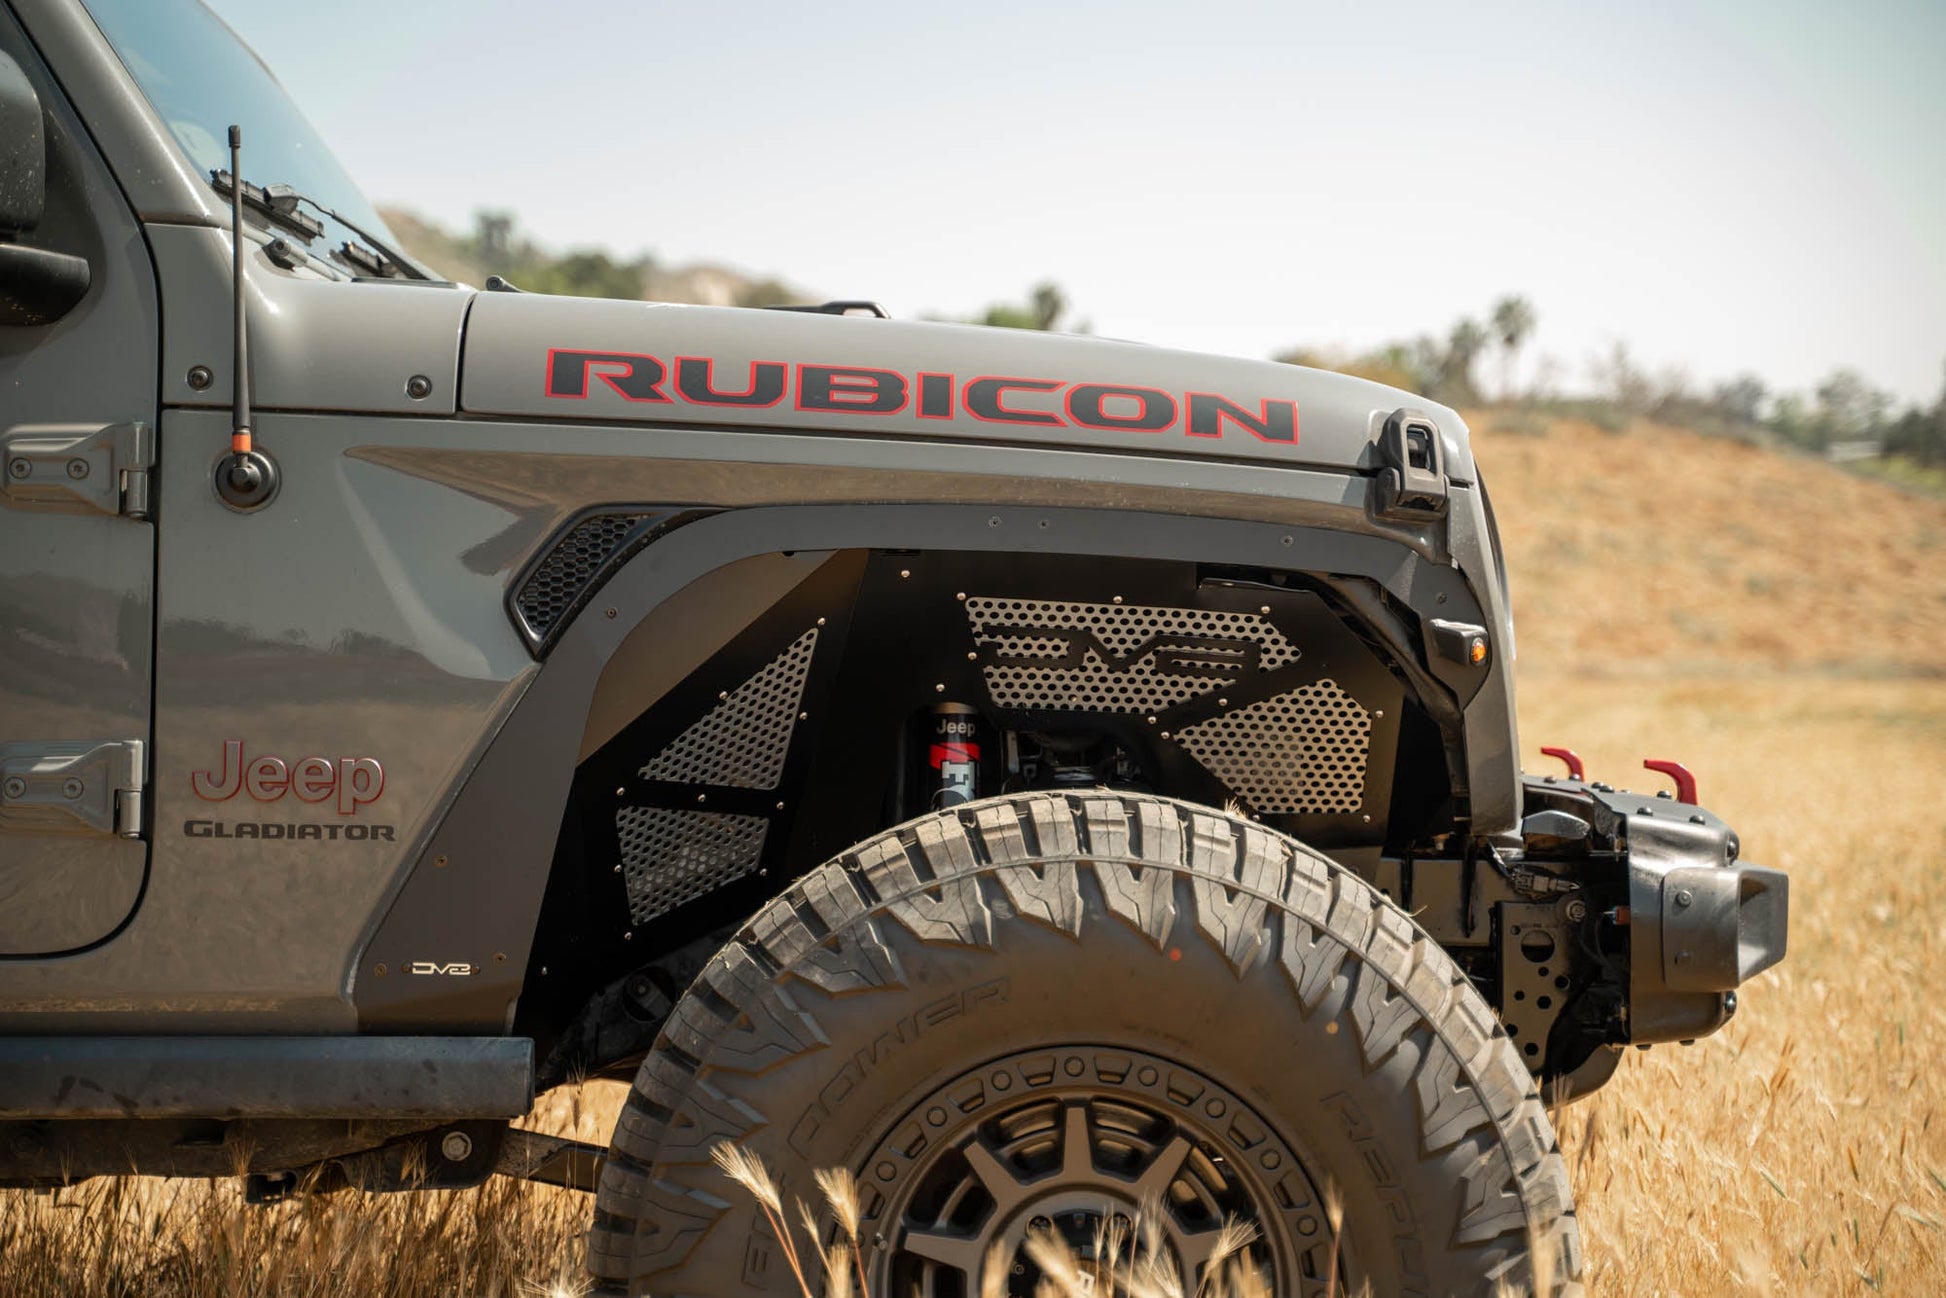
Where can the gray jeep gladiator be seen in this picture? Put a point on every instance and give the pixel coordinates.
(1044, 776)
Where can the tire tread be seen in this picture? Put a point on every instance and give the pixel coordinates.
(1334, 932)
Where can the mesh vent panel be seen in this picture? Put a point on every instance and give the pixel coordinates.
(1301, 752)
(740, 743)
(1126, 658)
(575, 560)
(670, 857)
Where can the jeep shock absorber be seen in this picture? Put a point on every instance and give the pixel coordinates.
(954, 736)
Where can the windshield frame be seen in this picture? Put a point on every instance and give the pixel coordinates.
(171, 69)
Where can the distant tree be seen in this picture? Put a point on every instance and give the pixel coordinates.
(1305, 356)
(493, 238)
(1513, 321)
(1453, 382)
(1048, 302)
(586, 273)
(1393, 364)
(1428, 356)
(1671, 397)
(1851, 409)
(1623, 382)
(1045, 306)
(766, 292)
(1008, 315)
(1920, 434)
(1790, 418)
(1740, 399)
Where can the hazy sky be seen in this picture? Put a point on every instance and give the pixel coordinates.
(1727, 187)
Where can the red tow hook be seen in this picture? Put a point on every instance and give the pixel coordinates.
(1576, 771)
(1685, 781)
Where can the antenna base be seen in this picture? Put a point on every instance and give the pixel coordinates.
(246, 481)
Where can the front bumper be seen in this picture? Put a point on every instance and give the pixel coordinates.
(1700, 922)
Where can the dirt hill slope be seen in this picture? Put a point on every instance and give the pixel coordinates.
(1659, 549)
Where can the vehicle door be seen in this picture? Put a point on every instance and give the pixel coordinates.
(78, 393)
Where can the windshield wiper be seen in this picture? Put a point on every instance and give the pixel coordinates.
(279, 204)
(263, 200)
(411, 269)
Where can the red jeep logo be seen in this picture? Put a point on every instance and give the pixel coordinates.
(352, 781)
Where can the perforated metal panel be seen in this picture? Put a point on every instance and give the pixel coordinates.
(552, 589)
(1120, 657)
(670, 857)
(1304, 751)
(740, 743)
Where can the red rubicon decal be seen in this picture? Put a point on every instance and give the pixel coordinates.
(861, 390)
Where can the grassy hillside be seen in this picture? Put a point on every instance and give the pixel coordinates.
(1657, 550)
(588, 272)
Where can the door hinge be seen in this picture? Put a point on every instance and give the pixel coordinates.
(1412, 483)
(73, 788)
(78, 468)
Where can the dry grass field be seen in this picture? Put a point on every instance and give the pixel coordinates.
(1802, 1149)
(1778, 626)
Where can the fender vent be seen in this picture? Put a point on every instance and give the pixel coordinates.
(1118, 657)
(573, 568)
(670, 857)
(1301, 752)
(740, 743)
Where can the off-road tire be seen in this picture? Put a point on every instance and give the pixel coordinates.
(1170, 957)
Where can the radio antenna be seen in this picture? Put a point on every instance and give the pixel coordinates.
(240, 427)
(246, 477)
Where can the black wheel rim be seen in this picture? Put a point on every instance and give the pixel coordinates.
(1074, 1142)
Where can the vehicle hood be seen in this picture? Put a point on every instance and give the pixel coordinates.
(558, 358)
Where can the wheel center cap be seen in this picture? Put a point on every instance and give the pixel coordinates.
(1095, 1228)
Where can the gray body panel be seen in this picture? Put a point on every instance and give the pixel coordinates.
(316, 342)
(358, 617)
(75, 586)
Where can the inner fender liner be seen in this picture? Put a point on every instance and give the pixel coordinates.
(499, 835)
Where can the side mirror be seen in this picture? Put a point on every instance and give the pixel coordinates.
(36, 286)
